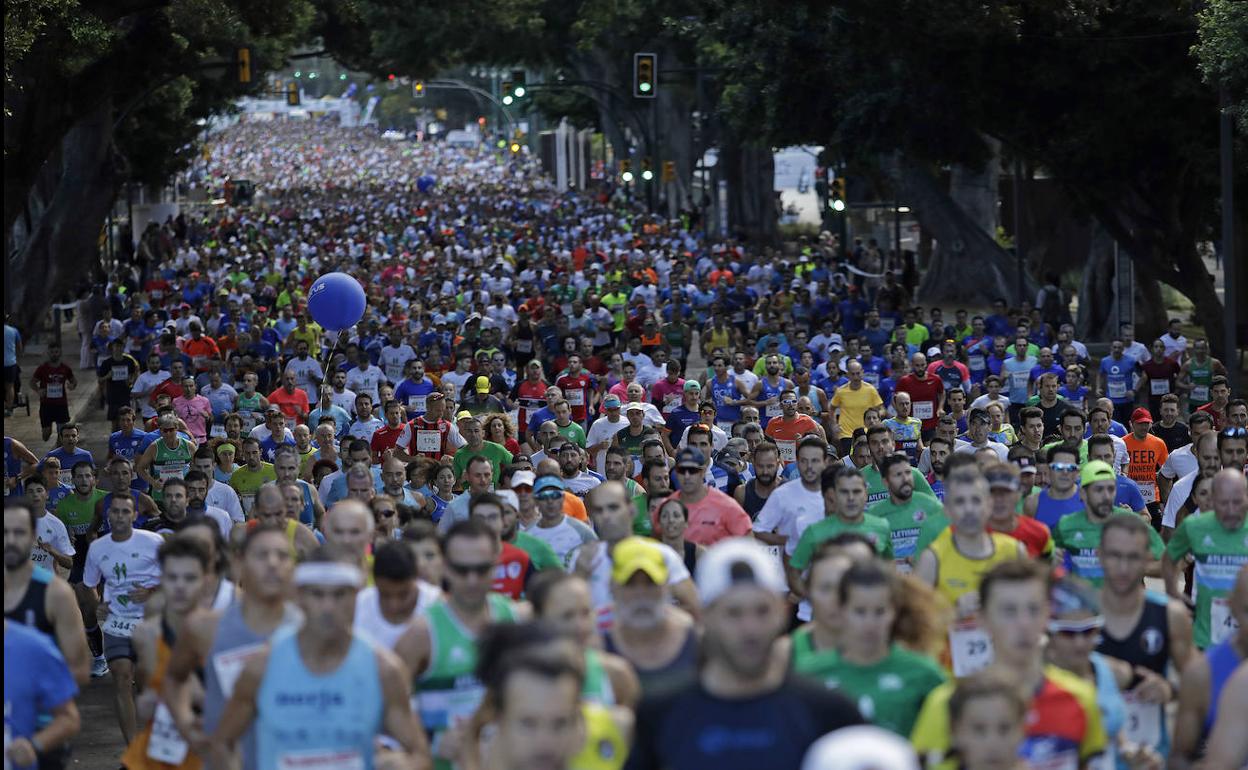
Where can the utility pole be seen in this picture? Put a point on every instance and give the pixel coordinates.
(1230, 280)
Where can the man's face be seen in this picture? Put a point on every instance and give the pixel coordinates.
(610, 513)
(811, 462)
(1169, 411)
(84, 480)
(1099, 422)
(939, 456)
(471, 431)
(19, 538)
(900, 481)
(851, 497)
(1123, 558)
(1033, 430)
(331, 609)
(121, 515)
(977, 430)
(1015, 617)
(1230, 501)
(1237, 416)
(1220, 393)
(881, 445)
(174, 501)
(1099, 498)
(1072, 428)
(1063, 471)
(540, 726)
(69, 438)
(350, 527)
(1234, 452)
(360, 488)
(966, 504)
(480, 476)
(286, 467)
(569, 460)
(741, 627)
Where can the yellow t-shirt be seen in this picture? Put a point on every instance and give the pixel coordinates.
(958, 574)
(605, 748)
(853, 404)
(1062, 719)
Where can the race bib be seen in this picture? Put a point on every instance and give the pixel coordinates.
(924, 410)
(1222, 623)
(872, 377)
(428, 441)
(788, 451)
(971, 648)
(228, 665)
(165, 744)
(217, 431)
(1200, 393)
(116, 625)
(174, 471)
(321, 760)
(1159, 387)
(249, 421)
(417, 403)
(1117, 389)
(976, 363)
(576, 397)
(66, 476)
(774, 410)
(776, 552)
(523, 346)
(1148, 492)
(56, 390)
(678, 353)
(1020, 379)
(120, 373)
(1143, 723)
(291, 422)
(247, 502)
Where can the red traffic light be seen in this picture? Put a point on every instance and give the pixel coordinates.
(390, 76)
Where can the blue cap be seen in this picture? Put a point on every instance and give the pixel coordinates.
(548, 482)
(690, 456)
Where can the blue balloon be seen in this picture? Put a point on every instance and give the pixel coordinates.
(425, 183)
(336, 301)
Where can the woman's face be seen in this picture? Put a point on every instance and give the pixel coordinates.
(672, 521)
(570, 612)
(867, 618)
(1202, 494)
(429, 564)
(445, 478)
(987, 734)
(498, 434)
(824, 585)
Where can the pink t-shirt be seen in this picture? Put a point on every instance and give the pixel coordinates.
(714, 518)
(666, 395)
(194, 412)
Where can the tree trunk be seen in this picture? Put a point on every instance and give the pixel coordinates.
(975, 190)
(750, 172)
(968, 266)
(55, 244)
(1097, 305)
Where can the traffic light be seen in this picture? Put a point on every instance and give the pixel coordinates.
(626, 171)
(515, 147)
(669, 171)
(418, 89)
(292, 94)
(647, 173)
(836, 198)
(645, 75)
(243, 59)
(505, 90)
(517, 84)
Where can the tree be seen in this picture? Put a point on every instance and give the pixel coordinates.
(1222, 52)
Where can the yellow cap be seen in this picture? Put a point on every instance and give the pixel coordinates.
(638, 554)
(464, 414)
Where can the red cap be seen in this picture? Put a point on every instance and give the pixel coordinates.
(1141, 415)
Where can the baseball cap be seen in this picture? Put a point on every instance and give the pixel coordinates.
(569, 446)
(736, 562)
(544, 483)
(862, 747)
(692, 385)
(1025, 465)
(522, 478)
(1003, 476)
(611, 402)
(635, 406)
(1097, 470)
(690, 456)
(509, 498)
(483, 384)
(464, 414)
(1141, 415)
(638, 554)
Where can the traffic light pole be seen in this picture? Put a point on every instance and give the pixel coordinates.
(459, 85)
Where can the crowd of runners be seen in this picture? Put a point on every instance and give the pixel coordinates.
(586, 488)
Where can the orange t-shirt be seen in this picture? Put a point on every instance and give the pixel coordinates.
(1145, 458)
(574, 506)
(786, 434)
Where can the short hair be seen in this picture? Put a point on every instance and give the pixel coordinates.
(961, 468)
(700, 430)
(394, 561)
(475, 459)
(194, 476)
(938, 440)
(420, 530)
(766, 445)
(1062, 448)
(812, 441)
(985, 684)
(1074, 412)
(182, 546)
(1170, 398)
(1030, 413)
(173, 482)
(544, 584)
(24, 503)
(891, 461)
(1199, 417)
(1098, 441)
(469, 528)
(1134, 525)
(875, 430)
(505, 649)
(1014, 571)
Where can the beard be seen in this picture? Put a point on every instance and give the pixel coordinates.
(14, 557)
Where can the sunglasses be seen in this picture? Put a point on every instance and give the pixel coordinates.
(1064, 467)
(789, 402)
(1072, 633)
(480, 570)
(549, 495)
(688, 471)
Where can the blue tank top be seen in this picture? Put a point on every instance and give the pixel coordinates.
(1223, 660)
(1050, 510)
(767, 392)
(721, 391)
(301, 716)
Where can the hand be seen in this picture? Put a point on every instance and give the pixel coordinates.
(101, 612)
(1153, 688)
(454, 741)
(142, 593)
(967, 604)
(585, 559)
(1138, 756)
(22, 752)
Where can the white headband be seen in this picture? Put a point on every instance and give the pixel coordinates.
(327, 573)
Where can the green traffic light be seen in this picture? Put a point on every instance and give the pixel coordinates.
(507, 99)
(627, 176)
(644, 87)
(502, 143)
(519, 92)
(343, 76)
(298, 74)
(647, 175)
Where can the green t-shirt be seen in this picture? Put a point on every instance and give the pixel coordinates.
(877, 490)
(918, 334)
(1080, 538)
(1083, 451)
(497, 454)
(642, 525)
(873, 528)
(540, 553)
(77, 514)
(888, 693)
(912, 525)
(1219, 556)
(573, 432)
(247, 483)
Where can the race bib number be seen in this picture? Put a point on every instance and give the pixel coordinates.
(976, 363)
(174, 471)
(888, 323)
(66, 476)
(217, 431)
(417, 403)
(576, 397)
(678, 353)
(1148, 492)
(971, 648)
(291, 422)
(116, 625)
(788, 451)
(1159, 387)
(321, 760)
(228, 665)
(924, 410)
(56, 390)
(1222, 624)
(776, 552)
(1200, 393)
(1143, 723)
(165, 744)
(1117, 389)
(1020, 379)
(428, 441)
(249, 421)
(872, 377)
(774, 410)
(120, 373)
(524, 346)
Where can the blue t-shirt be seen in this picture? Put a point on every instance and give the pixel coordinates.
(678, 420)
(1118, 377)
(11, 338)
(36, 681)
(1129, 494)
(1017, 377)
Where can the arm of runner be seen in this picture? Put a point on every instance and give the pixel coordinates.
(186, 656)
(240, 711)
(397, 717)
(144, 462)
(414, 647)
(1189, 720)
(71, 638)
(686, 595)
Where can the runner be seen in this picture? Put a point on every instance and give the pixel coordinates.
(914, 519)
(883, 444)
(1061, 496)
(36, 682)
(1078, 534)
(844, 499)
(1004, 483)
(752, 496)
(53, 379)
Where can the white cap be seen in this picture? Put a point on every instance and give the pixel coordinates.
(737, 561)
(509, 498)
(522, 478)
(863, 747)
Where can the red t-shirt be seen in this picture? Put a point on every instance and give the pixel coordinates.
(511, 572)
(422, 440)
(1160, 376)
(713, 518)
(924, 397)
(53, 377)
(576, 392)
(292, 404)
(1219, 422)
(386, 437)
(787, 432)
(1033, 534)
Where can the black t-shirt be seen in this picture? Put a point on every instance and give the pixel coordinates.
(690, 729)
(1175, 436)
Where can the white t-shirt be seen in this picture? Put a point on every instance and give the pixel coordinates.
(600, 579)
(789, 509)
(371, 623)
(222, 519)
(459, 379)
(123, 566)
(364, 381)
(51, 530)
(144, 384)
(1003, 452)
(1179, 493)
(602, 431)
(1179, 463)
(364, 429)
(565, 537)
(344, 400)
(983, 401)
(304, 372)
(224, 497)
(394, 360)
